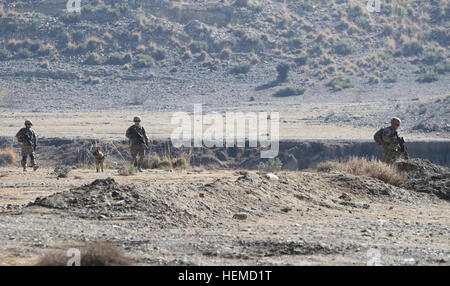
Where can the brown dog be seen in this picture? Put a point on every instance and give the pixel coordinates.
(99, 158)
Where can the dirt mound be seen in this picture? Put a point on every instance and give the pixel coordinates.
(426, 177)
(106, 199)
(250, 197)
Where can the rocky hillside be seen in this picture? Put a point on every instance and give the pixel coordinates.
(166, 54)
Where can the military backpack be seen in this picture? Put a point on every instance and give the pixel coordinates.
(378, 137)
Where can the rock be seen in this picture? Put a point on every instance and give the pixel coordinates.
(240, 216)
(345, 197)
(286, 210)
(271, 177)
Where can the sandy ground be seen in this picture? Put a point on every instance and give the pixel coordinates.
(401, 229)
(296, 123)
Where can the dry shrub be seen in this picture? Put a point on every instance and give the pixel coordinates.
(7, 157)
(363, 167)
(94, 254)
(127, 170)
(156, 162)
(181, 162)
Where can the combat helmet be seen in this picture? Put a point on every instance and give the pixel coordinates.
(396, 120)
(28, 122)
(136, 118)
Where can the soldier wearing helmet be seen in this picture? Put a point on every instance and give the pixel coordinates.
(138, 142)
(27, 137)
(390, 142)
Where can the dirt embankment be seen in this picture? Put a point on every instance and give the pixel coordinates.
(295, 155)
(259, 196)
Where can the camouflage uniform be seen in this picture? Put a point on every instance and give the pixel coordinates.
(391, 147)
(28, 147)
(136, 147)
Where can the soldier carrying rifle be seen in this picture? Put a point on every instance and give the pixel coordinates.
(27, 137)
(393, 145)
(138, 142)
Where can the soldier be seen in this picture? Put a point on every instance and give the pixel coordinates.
(27, 137)
(138, 142)
(390, 141)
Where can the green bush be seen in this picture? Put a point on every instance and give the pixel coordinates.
(390, 78)
(159, 54)
(412, 48)
(241, 68)
(23, 53)
(4, 54)
(339, 83)
(428, 76)
(289, 91)
(120, 59)
(271, 165)
(316, 51)
(143, 61)
(93, 59)
(442, 68)
(197, 46)
(344, 47)
(283, 71)
(301, 60)
(61, 171)
(432, 57)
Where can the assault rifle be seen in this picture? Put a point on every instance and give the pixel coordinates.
(403, 148)
(29, 141)
(139, 138)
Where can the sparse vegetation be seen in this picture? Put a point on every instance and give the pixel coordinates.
(93, 80)
(143, 61)
(127, 170)
(283, 71)
(93, 254)
(120, 59)
(364, 167)
(272, 165)
(344, 47)
(242, 68)
(7, 157)
(428, 76)
(93, 59)
(339, 83)
(390, 78)
(289, 91)
(61, 171)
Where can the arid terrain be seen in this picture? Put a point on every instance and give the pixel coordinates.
(333, 70)
(225, 217)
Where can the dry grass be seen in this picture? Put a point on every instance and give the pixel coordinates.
(127, 170)
(94, 254)
(181, 162)
(364, 167)
(7, 157)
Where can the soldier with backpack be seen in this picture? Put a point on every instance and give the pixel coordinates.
(393, 145)
(27, 137)
(138, 142)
